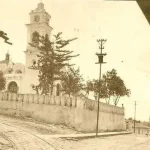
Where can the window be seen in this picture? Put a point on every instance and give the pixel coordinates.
(35, 38)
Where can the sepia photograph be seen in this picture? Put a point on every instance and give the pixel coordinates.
(74, 75)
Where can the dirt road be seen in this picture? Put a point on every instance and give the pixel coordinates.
(23, 134)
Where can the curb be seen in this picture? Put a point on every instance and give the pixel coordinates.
(93, 136)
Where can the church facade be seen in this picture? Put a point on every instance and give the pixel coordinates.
(20, 78)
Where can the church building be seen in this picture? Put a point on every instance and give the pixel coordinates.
(20, 78)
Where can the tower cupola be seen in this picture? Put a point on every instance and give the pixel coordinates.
(40, 7)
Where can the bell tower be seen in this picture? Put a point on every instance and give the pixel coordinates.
(39, 22)
(38, 26)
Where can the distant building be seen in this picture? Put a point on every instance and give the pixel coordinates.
(139, 127)
(14, 74)
(142, 129)
(19, 77)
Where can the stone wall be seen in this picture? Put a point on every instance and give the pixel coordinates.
(74, 112)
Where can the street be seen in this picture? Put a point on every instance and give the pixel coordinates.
(27, 134)
(5, 143)
(122, 142)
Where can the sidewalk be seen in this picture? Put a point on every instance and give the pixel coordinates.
(88, 135)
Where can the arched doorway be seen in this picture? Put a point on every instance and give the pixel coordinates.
(13, 87)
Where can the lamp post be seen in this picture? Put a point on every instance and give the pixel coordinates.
(100, 61)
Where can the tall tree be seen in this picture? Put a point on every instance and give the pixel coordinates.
(111, 87)
(2, 81)
(103, 88)
(51, 60)
(93, 85)
(115, 86)
(72, 82)
(88, 87)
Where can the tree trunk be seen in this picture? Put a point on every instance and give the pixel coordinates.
(116, 100)
(52, 88)
(52, 84)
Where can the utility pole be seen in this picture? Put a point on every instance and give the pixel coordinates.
(100, 61)
(134, 115)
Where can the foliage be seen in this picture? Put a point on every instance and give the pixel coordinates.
(51, 60)
(71, 81)
(110, 86)
(130, 118)
(2, 81)
(102, 90)
(138, 121)
(88, 87)
(115, 86)
(4, 36)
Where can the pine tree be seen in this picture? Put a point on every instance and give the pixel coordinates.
(51, 61)
(4, 36)
(2, 81)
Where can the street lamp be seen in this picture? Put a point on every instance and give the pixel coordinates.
(100, 61)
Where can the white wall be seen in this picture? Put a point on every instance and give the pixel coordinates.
(72, 112)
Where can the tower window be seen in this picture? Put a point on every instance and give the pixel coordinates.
(35, 37)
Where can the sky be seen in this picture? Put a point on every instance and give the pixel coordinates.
(122, 23)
